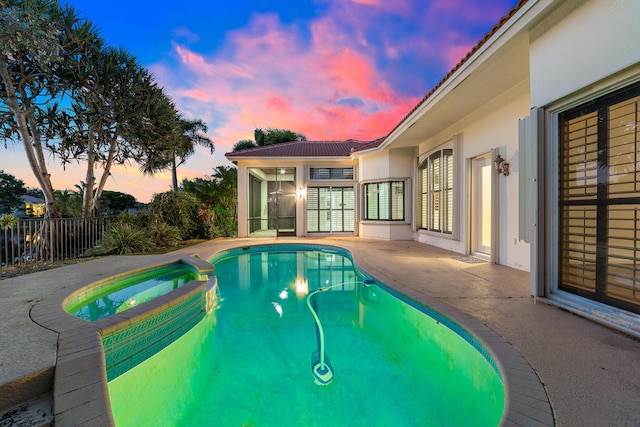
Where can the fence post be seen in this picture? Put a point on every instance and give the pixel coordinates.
(52, 239)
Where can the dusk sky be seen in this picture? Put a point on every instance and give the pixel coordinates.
(329, 69)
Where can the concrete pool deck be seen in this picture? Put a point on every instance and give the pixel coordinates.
(590, 373)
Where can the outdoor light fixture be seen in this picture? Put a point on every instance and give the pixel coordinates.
(300, 193)
(502, 167)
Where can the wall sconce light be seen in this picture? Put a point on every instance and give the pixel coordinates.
(502, 167)
(300, 193)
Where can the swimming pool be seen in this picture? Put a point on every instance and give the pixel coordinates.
(251, 361)
(115, 296)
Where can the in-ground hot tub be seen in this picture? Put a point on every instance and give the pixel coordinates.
(123, 293)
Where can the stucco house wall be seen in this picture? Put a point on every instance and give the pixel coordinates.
(492, 126)
(581, 51)
(390, 164)
(581, 46)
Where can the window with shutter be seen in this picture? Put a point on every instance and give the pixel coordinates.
(384, 201)
(599, 200)
(436, 175)
(330, 209)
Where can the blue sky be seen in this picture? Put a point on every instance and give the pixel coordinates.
(329, 69)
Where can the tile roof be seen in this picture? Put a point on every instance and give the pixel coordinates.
(346, 148)
(308, 149)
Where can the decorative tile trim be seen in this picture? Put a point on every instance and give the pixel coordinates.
(135, 337)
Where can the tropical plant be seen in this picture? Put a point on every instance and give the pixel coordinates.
(276, 136)
(192, 134)
(141, 220)
(174, 150)
(118, 115)
(163, 235)
(244, 145)
(68, 203)
(219, 198)
(114, 202)
(8, 221)
(122, 239)
(269, 137)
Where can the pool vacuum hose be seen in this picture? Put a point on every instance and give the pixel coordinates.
(320, 364)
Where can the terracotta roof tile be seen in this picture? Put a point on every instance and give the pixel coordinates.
(308, 149)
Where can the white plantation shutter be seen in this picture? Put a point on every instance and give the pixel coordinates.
(527, 161)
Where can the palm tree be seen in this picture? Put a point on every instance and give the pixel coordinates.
(68, 203)
(178, 146)
(192, 134)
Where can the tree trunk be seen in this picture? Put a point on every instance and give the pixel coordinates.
(105, 174)
(30, 140)
(90, 180)
(174, 174)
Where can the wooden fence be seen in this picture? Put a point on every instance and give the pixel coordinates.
(48, 240)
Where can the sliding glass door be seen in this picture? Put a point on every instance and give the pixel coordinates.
(272, 202)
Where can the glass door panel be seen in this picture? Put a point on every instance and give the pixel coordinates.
(272, 202)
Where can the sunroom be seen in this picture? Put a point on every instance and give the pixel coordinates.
(299, 188)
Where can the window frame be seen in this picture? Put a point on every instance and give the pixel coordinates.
(442, 223)
(390, 207)
(331, 210)
(599, 203)
(332, 173)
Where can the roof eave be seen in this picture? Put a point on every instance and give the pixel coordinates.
(510, 28)
(286, 158)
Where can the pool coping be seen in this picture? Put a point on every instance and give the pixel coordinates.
(80, 393)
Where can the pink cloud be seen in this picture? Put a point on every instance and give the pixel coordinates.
(368, 2)
(323, 79)
(352, 70)
(186, 34)
(192, 60)
(199, 95)
(277, 103)
(267, 76)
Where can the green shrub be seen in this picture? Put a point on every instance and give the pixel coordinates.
(140, 220)
(179, 209)
(226, 221)
(124, 239)
(7, 221)
(163, 235)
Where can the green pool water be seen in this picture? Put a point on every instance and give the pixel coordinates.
(124, 293)
(249, 363)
